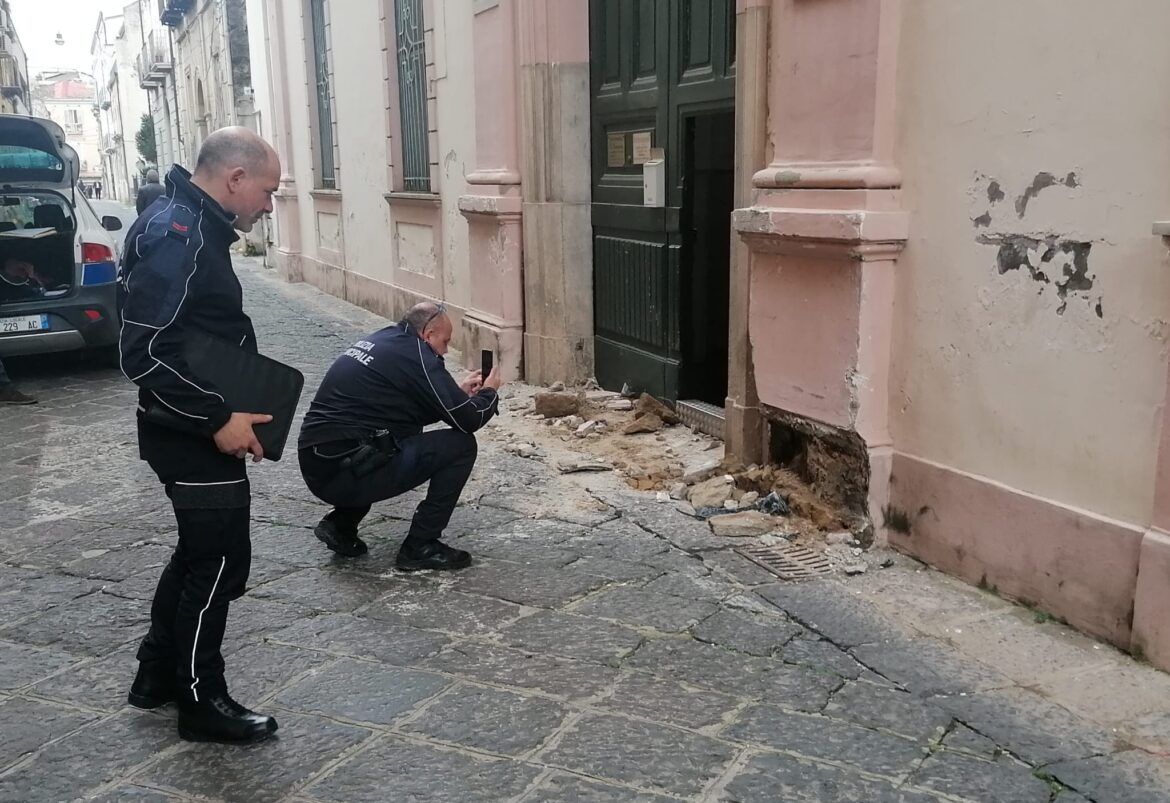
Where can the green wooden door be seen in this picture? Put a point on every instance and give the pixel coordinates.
(655, 64)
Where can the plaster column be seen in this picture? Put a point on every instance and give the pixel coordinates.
(1151, 626)
(824, 229)
(744, 432)
(558, 230)
(495, 316)
(286, 203)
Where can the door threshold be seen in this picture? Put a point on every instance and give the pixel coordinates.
(703, 416)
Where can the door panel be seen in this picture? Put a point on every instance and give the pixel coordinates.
(652, 62)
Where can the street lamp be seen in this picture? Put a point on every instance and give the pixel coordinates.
(60, 40)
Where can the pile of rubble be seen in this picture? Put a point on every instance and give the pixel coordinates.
(644, 442)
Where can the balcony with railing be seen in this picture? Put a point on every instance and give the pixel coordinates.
(12, 80)
(154, 62)
(170, 12)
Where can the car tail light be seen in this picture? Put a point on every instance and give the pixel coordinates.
(96, 252)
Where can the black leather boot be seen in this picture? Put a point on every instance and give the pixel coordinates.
(434, 555)
(219, 718)
(153, 686)
(341, 539)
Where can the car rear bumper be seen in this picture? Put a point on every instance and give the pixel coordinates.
(72, 324)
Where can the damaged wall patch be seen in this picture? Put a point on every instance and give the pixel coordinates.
(1050, 259)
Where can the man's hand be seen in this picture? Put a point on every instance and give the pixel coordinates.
(493, 381)
(472, 383)
(236, 436)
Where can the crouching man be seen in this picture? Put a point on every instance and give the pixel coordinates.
(362, 439)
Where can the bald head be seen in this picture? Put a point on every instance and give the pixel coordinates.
(233, 147)
(432, 324)
(241, 172)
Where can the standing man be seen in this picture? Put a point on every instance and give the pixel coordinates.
(362, 439)
(177, 278)
(150, 191)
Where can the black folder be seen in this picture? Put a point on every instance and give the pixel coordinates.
(248, 382)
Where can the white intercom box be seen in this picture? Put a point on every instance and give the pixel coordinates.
(654, 183)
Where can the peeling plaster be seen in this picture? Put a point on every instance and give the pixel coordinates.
(1050, 260)
(1042, 181)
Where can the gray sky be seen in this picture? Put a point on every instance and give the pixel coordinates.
(39, 21)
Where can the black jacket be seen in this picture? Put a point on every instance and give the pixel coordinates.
(176, 277)
(391, 380)
(148, 194)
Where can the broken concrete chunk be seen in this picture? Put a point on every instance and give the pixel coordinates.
(583, 465)
(647, 423)
(648, 405)
(619, 405)
(702, 472)
(599, 396)
(745, 524)
(845, 538)
(589, 427)
(678, 491)
(855, 568)
(748, 499)
(730, 504)
(556, 387)
(712, 493)
(662, 496)
(553, 404)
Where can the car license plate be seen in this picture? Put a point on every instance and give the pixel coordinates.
(26, 323)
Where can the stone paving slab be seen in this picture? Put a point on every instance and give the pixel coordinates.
(267, 772)
(604, 647)
(655, 757)
(768, 778)
(422, 772)
(489, 719)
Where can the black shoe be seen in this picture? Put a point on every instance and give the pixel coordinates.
(431, 555)
(10, 395)
(153, 686)
(219, 718)
(339, 539)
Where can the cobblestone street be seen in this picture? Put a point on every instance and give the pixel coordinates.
(618, 652)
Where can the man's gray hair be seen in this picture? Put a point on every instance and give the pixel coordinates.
(423, 314)
(229, 148)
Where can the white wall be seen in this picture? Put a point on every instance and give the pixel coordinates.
(995, 374)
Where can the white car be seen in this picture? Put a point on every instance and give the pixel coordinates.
(70, 300)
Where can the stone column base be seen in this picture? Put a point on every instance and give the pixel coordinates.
(745, 434)
(288, 266)
(881, 467)
(507, 342)
(557, 359)
(1151, 625)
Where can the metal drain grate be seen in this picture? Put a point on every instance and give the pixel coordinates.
(788, 561)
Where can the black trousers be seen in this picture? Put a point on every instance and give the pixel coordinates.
(444, 457)
(209, 568)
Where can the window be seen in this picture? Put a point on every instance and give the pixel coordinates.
(72, 120)
(412, 95)
(326, 159)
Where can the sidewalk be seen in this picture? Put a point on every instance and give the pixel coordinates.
(604, 647)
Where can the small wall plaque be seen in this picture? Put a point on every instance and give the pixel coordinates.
(616, 150)
(642, 145)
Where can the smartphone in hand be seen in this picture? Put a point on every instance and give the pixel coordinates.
(486, 360)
